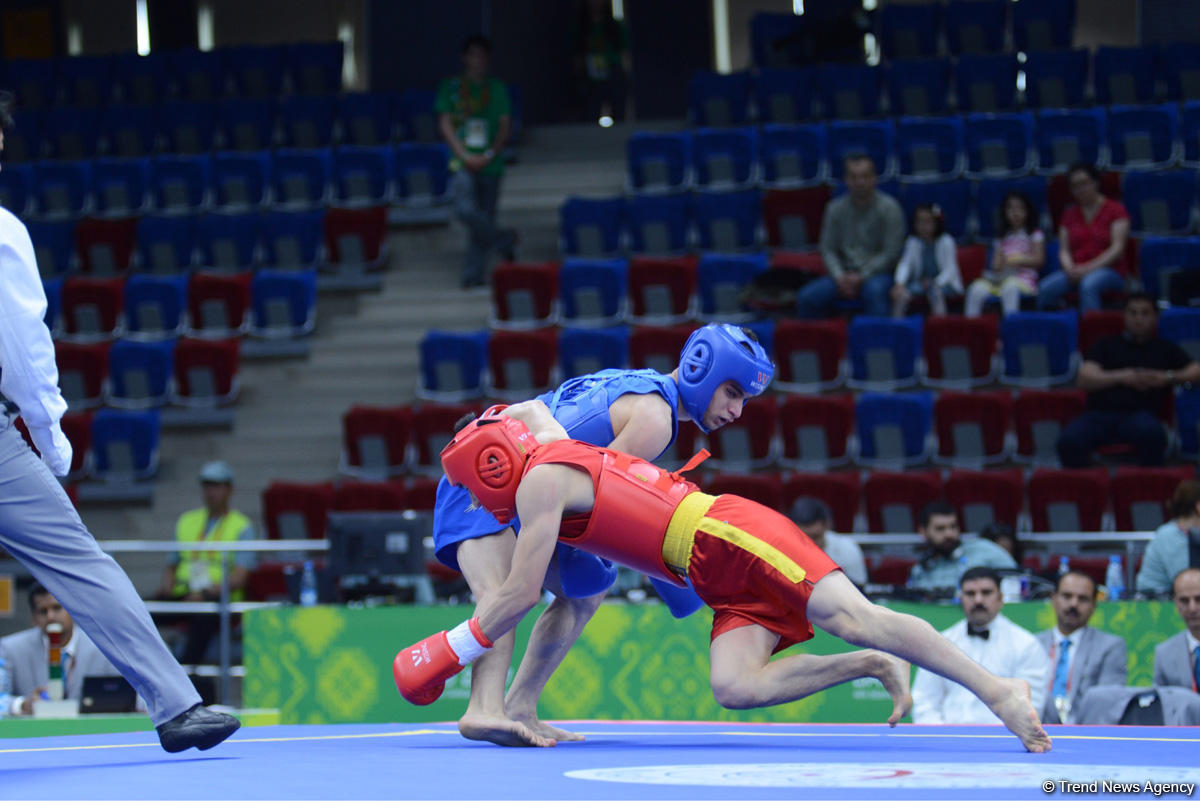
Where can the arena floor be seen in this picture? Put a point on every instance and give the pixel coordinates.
(660, 760)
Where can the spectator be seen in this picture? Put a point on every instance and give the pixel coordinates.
(1082, 657)
(601, 61)
(1177, 660)
(1176, 543)
(929, 265)
(861, 239)
(1017, 257)
(946, 555)
(196, 575)
(1128, 378)
(26, 655)
(474, 117)
(812, 517)
(992, 640)
(1091, 244)
(1005, 536)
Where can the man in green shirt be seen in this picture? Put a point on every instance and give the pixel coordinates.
(474, 117)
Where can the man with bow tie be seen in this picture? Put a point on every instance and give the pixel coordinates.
(992, 640)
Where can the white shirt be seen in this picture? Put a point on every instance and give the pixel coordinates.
(848, 555)
(68, 659)
(1009, 651)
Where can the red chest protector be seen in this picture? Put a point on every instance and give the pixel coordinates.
(634, 503)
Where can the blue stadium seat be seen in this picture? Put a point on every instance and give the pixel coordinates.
(658, 162)
(198, 75)
(1181, 326)
(989, 201)
(124, 445)
(17, 188)
(1189, 131)
(1187, 422)
(246, 124)
(186, 128)
(361, 175)
(422, 178)
(1125, 75)
(657, 224)
(1160, 202)
(785, 96)
(227, 242)
(180, 183)
(1142, 137)
(284, 303)
(86, 81)
(154, 306)
(255, 71)
(976, 26)
(164, 244)
(894, 430)
(53, 245)
(1039, 348)
(727, 221)
(125, 131)
(986, 82)
(241, 181)
(587, 350)
(23, 141)
(909, 31)
(793, 155)
(417, 118)
(1066, 136)
(1045, 25)
(139, 373)
(62, 188)
(1179, 68)
(719, 100)
(365, 118)
(593, 292)
(884, 352)
(850, 92)
(52, 287)
(306, 121)
(1160, 258)
(591, 226)
(292, 239)
(70, 133)
(141, 80)
(875, 139)
(952, 197)
(33, 81)
(918, 88)
(929, 148)
(725, 158)
(301, 178)
(120, 187)
(1056, 78)
(315, 68)
(720, 281)
(452, 365)
(999, 144)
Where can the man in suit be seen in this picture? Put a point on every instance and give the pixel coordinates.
(1082, 657)
(1177, 660)
(26, 655)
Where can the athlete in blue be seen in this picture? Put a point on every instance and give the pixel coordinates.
(634, 411)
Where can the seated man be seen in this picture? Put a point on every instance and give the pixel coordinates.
(26, 655)
(993, 641)
(946, 555)
(1177, 660)
(766, 582)
(812, 517)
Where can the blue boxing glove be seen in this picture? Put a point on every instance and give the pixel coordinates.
(682, 601)
(582, 574)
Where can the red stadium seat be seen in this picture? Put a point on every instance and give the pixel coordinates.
(972, 427)
(662, 291)
(804, 262)
(522, 363)
(892, 570)
(960, 351)
(206, 372)
(354, 238)
(1068, 500)
(986, 496)
(524, 295)
(375, 441)
(105, 247)
(972, 262)
(838, 491)
(894, 500)
(219, 305)
(432, 427)
(369, 496)
(77, 427)
(749, 441)
(764, 488)
(1039, 417)
(422, 494)
(816, 430)
(793, 217)
(810, 355)
(658, 348)
(267, 582)
(1140, 494)
(82, 373)
(1098, 324)
(296, 511)
(91, 309)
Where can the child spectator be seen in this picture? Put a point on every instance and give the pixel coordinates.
(1016, 259)
(929, 265)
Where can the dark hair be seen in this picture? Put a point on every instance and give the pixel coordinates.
(809, 510)
(935, 508)
(1183, 501)
(7, 101)
(1031, 213)
(939, 219)
(995, 531)
(980, 572)
(1179, 575)
(477, 40)
(34, 592)
(858, 155)
(1083, 166)
(1058, 581)
(1141, 295)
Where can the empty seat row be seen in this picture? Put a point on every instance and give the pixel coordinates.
(407, 175)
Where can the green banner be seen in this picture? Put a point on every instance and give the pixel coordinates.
(330, 664)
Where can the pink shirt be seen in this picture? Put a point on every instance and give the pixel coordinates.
(1089, 239)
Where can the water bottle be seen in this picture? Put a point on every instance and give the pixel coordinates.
(1114, 579)
(1064, 565)
(308, 585)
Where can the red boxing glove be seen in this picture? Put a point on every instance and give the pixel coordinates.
(421, 670)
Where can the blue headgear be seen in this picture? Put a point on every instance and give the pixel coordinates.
(715, 354)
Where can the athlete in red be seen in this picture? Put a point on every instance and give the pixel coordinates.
(763, 577)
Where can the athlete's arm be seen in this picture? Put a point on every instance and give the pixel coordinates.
(642, 425)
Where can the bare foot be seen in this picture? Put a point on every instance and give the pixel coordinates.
(546, 730)
(1018, 714)
(895, 674)
(501, 731)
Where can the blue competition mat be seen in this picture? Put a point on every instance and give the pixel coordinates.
(668, 760)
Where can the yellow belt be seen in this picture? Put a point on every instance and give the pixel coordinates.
(681, 531)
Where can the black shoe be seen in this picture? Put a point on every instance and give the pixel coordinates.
(509, 239)
(199, 726)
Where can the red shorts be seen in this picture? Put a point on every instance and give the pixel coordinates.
(753, 565)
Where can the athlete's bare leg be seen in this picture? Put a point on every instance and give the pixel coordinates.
(485, 563)
(838, 607)
(743, 675)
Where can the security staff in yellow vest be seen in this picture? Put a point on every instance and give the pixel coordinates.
(196, 575)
